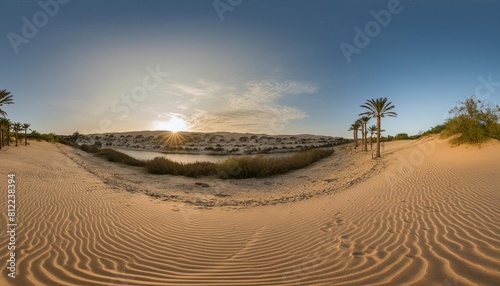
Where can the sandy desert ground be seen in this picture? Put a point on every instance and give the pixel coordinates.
(424, 214)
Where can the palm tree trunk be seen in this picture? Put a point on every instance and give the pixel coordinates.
(377, 153)
(362, 137)
(371, 141)
(16, 138)
(365, 133)
(26, 137)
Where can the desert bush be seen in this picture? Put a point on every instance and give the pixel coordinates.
(90, 148)
(474, 122)
(435, 130)
(401, 136)
(263, 166)
(237, 167)
(116, 156)
(163, 166)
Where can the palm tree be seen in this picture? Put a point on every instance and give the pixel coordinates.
(2, 126)
(364, 120)
(6, 130)
(5, 98)
(378, 108)
(16, 127)
(372, 130)
(355, 127)
(25, 126)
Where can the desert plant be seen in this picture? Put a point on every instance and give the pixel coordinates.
(116, 156)
(6, 130)
(363, 121)
(90, 148)
(473, 121)
(355, 127)
(16, 127)
(163, 166)
(401, 136)
(378, 108)
(263, 166)
(372, 130)
(25, 126)
(3, 126)
(5, 98)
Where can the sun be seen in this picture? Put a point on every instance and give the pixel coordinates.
(174, 124)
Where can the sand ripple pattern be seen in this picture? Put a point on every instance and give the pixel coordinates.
(438, 224)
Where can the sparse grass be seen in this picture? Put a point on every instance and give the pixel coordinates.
(90, 148)
(237, 167)
(115, 156)
(262, 166)
(163, 166)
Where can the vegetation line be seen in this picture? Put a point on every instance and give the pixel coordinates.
(236, 167)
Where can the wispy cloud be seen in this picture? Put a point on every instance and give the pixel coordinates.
(257, 106)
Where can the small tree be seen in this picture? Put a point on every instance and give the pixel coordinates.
(75, 136)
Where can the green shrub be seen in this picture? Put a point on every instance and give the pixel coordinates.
(238, 167)
(435, 130)
(89, 148)
(115, 156)
(262, 166)
(474, 122)
(163, 166)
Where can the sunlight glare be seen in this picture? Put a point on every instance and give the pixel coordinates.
(175, 124)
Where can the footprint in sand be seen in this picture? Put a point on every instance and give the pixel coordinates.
(344, 242)
(330, 226)
(344, 246)
(327, 227)
(358, 254)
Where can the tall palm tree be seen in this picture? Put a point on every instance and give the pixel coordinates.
(378, 108)
(25, 126)
(372, 130)
(6, 130)
(2, 127)
(355, 127)
(364, 120)
(16, 127)
(5, 98)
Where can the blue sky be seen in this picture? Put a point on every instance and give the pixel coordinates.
(262, 66)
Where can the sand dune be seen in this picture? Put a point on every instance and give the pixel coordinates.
(425, 214)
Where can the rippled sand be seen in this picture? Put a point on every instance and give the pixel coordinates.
(425, 214)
